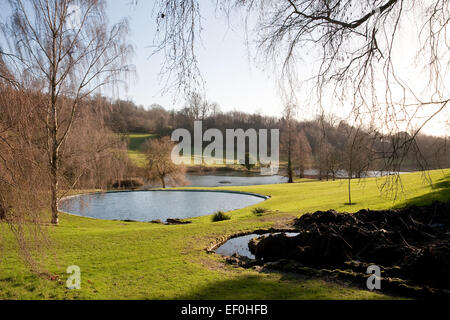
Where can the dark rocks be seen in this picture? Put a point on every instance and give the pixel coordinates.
(243, 262)
(177, 222)
(411, 243)
(253, 244)
(272, 248)
(430, 265)
(169, 221)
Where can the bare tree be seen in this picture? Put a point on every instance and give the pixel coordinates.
(334, 161)
(303, 153)
(64, 50)
(179, 28)
(25, 174)
(357, 44)
(195, 105)
(96, 164)
(288, 135)
(160, 167)
(215, 109)
(23, 198)
(357, 156)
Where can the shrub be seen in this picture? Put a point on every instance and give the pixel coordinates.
(259, 211)
(220, 216)
(128, 183)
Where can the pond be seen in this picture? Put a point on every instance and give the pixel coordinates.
(147, 206)
(233, 179)
(239, 245)
(249, 179)
(342, 174)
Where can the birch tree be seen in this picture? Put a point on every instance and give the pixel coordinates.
(64, 50)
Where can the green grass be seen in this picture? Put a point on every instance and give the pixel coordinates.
(313, 196)
(136, 155)
(134, 147)
(137, 139)
(120, 260)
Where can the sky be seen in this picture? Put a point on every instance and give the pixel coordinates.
(230, 78)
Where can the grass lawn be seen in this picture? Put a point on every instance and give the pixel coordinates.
(134, 147)
(121, 260)
(138, 158)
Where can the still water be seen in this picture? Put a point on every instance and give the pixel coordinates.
(152, 205)
(239, 245)
(224, 180)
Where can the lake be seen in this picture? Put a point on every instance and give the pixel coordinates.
(250, 179)
(233, 179)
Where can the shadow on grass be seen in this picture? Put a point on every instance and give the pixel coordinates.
(287, 287)
(242, 288)
(136, 142)
(440, 192)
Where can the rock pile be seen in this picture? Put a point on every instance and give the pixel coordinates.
(411, 243)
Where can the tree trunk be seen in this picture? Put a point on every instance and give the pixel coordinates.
(54, 134)
(350, 175)
(163, 182)
(289, 168)
(55, 219)
(349, 191)
(290, 173)
(54, 178)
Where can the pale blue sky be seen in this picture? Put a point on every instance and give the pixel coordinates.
(231, 80)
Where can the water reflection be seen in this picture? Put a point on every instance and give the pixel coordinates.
(233, 180)
(239, 245)
(152, 205)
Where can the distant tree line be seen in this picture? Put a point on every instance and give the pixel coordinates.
(325, 143)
